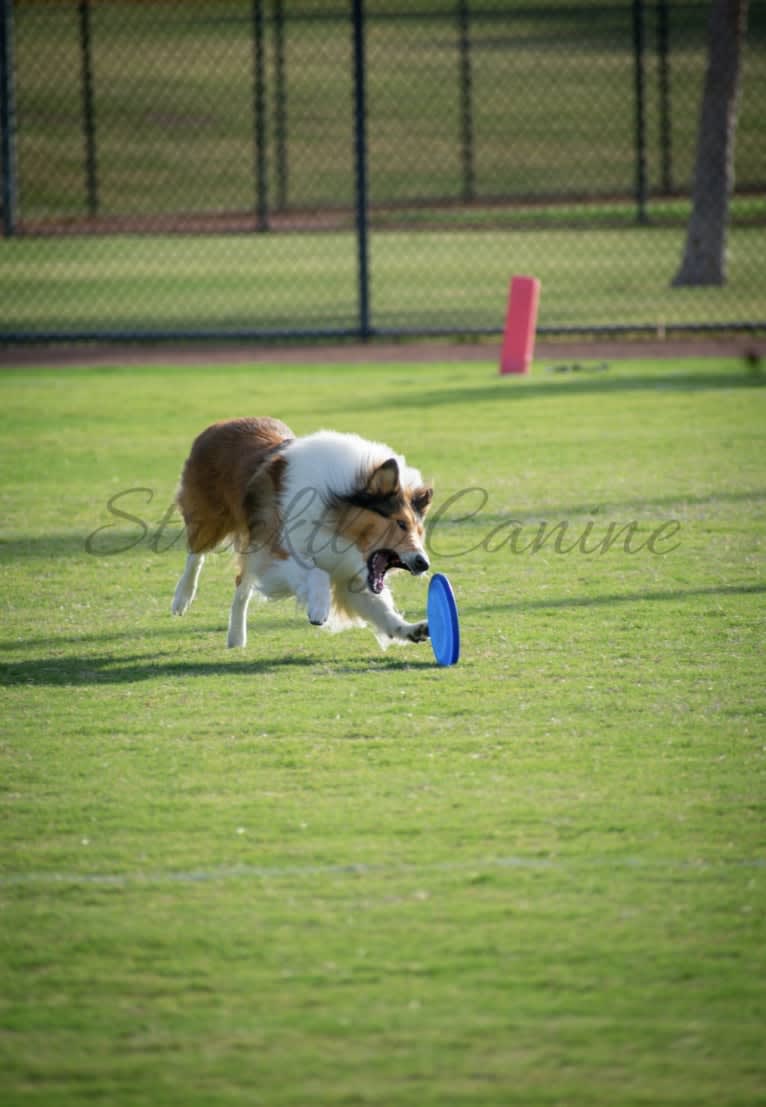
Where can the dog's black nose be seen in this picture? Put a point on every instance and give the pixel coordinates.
(419, 563)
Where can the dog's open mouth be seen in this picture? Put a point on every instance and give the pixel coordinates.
(378, 565)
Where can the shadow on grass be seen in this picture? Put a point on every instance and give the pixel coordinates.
(386, 664)
(186, 630)
(57, 545)
(662, 503)
(53, 545)
(60, 544)
(469, 502)
(577, 385)
(108, 669)
(666, 596)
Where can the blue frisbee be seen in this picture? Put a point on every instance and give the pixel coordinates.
(443, 623)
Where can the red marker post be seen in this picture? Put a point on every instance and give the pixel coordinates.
(520, 325)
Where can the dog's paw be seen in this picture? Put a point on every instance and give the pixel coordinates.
(182, 600)
(319, 612)
(319, 597)
(418, 632)
(236, 638)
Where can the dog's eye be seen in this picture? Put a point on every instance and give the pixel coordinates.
(401, 524)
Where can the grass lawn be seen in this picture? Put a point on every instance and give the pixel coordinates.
(312, 871)
(440, 280)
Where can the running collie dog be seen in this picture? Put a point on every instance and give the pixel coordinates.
(322, 518)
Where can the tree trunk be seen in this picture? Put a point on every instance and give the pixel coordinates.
(704, 259)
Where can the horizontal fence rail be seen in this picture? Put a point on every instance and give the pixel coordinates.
(270, 168)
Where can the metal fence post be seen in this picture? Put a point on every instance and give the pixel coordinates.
(88, 111)
(466, 101)
(360, 165)
(639, 68)
(280, 103)
(663, 59)
(259, 119)
(7, 119)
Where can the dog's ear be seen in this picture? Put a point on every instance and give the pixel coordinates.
(385, 480)
(421, 499)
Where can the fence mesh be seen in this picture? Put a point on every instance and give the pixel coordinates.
(186, 167)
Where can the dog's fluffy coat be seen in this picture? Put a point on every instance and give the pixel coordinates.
(322, 518)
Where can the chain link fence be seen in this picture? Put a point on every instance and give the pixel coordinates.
(246, 168)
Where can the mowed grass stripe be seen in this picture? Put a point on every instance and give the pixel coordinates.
(253, 872)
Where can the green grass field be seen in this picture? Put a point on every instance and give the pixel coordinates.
(312, 871)
(442, 280)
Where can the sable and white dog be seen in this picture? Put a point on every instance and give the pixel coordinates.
(322, 518)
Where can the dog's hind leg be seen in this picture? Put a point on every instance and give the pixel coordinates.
(238, 616)
(186, 589)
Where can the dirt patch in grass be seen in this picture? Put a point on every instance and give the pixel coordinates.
(555, 352)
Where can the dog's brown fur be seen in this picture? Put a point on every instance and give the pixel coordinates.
(230, 482)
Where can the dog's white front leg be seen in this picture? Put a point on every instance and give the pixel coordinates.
(379, 610)
(307, 582)
(318, 596)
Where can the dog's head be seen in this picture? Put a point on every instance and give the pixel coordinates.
(384, 518)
